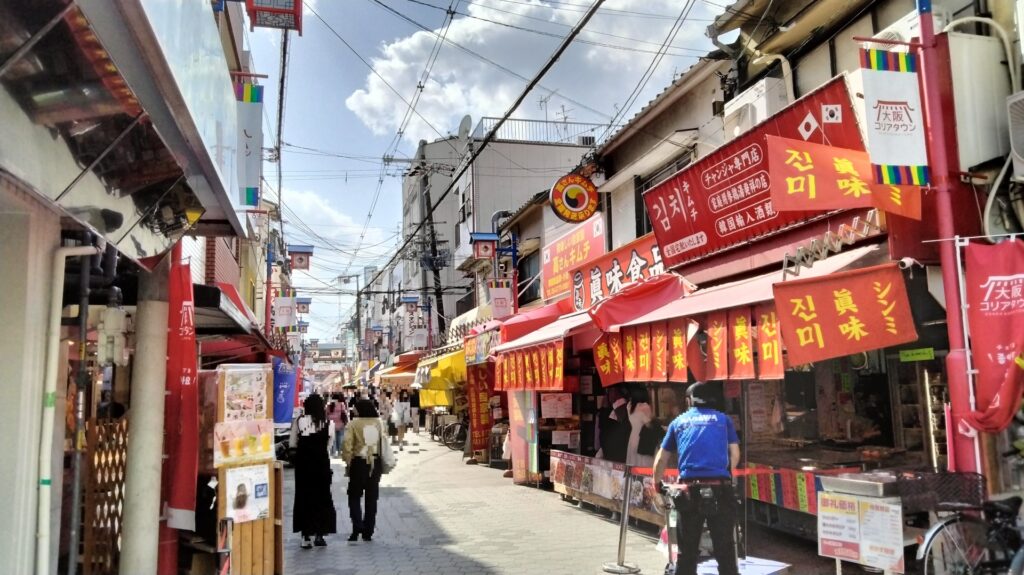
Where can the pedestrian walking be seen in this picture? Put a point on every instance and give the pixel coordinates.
(337, 412)
(703, 442)
(313, 515)
(414, 410)
(366, 457)
(401, 417)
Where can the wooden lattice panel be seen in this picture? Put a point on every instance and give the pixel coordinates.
(106, 452)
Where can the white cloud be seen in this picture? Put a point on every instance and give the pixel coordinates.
(597, 76)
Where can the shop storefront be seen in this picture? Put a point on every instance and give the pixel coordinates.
(443, 380)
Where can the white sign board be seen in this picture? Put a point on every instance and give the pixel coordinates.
(863, 530)
(247, 492)
(893, 117)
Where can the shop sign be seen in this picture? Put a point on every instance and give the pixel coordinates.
(247, 493)
(182, 402)
(648, 352)
(584, 243)
(680, 332)
(844, 313)
(536, 368)
(249, 107)
(994, 286)
(919, 354)
(723, 199)
(769, 358)
(502, 300)
(574, 198)
(717, 366)
(285, 313)
(608, 274)
(608, 358)
(741, 344)
(478, 347)
(479, 396)
(863, 530)
(893, 118)
(284, 390)
(830, 178)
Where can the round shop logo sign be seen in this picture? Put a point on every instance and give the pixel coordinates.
(574, 198)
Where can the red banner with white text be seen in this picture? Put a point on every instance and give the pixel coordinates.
(741, 344)
(844, 313)
(995, 294)
(182, 403)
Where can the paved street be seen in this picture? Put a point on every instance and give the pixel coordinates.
(438, 515)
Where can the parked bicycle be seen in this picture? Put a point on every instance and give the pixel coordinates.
(454, 434)
(976, 537)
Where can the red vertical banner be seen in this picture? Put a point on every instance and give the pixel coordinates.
(498, 373)
(479, 406)
(608, 358)
(545, 367)
(717, 364)
(677, 340)
(520, 371)
(538, 379)
(659, 352)
(629, 354)
(559, 360)
(643, 352)
(183, 396)
(769, 357)
(741, 344)
(528, 370)
(995, 292)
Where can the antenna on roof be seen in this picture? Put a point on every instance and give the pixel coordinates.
(542, 103)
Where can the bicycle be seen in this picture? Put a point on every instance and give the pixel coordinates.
(454, 434)
(978, 537)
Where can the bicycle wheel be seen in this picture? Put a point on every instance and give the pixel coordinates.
(446, 435)
(958, 548)
(456, 437)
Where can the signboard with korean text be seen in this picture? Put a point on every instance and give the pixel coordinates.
(597, 279)
(863, 530)
(608, 358)
(893, 117)
(769, 341)
(844, 313)
(741, 344)
(584, 243)
(479, 397)
(994, 286)
(724, 198)
(831, 178)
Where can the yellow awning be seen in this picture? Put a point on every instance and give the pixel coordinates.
(447, 371)
(436, 398)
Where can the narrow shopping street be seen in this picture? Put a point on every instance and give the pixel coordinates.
(438, 515)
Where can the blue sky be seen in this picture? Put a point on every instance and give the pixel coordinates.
(336, 106)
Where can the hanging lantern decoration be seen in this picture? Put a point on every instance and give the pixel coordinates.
(300, 256)
(281, 14)
(302, 304)
(303, 326)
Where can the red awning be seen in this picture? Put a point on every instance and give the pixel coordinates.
(525, 322)
(639, 298)
(748, 291)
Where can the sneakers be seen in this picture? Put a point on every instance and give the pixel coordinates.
(319, 541)
(307, 543)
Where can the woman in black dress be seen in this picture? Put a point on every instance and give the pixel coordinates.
(313, 515)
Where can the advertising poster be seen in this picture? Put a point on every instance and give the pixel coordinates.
(555, 405)
(284, 392)
(881, 535)
(247, 491)
(242, 442)
(838, 526)
(245, 392)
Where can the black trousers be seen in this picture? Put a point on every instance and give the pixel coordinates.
(363, 487)
(715, 504)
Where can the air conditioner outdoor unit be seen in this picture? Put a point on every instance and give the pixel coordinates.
(907, 28)
(755, 105)
(586, 140)
(1015, 115)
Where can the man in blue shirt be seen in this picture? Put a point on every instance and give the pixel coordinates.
(704, 444)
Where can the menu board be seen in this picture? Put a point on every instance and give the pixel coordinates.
(863, 530)
(245, 391)
(555, 405)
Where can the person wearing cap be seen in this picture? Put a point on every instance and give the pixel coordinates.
(703, 442)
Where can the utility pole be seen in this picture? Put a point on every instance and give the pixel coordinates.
(966, 456)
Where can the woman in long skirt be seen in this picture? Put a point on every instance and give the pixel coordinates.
(313, 515)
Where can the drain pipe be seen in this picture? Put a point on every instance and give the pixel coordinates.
(50, 375)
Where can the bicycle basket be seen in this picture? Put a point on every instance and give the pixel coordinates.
(924, 491)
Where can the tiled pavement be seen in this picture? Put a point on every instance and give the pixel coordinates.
(438, 515)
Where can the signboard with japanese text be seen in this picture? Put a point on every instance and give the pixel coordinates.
(679, 334)
(741, 344)
(994, 287)
(659, 351)
(769, 357)
(838, 526)
(717, 366)
(863, 530)
(182, 399)
(536, 368)
(584, 243)
(893, 117)
(478, 395)
(608, 274)
(724, 198)
(249, 108)
(844, 313)
(608, 358)
(830, 178)
(574, 198)
(629, 353)
(242, 441)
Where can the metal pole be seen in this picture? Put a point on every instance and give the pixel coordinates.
(935, 122)
(620, 566)
(270, 273)
(82, 379)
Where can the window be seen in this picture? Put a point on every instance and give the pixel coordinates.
(529, 268)
(640, 185)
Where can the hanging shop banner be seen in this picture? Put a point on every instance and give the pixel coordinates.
(830, 178)
(182, 403)
(844, 313)
(723, 199)
(608, 274)
(717, 366)
(679, 334)
(574, 198)
(285, 314)
(995, 294)
(769, 358)
(741, 344)
(659, 351)
(479, 397)
(502, 302)
(643, 352)
(893, 117)
(250, 142)
(584, 243)
(478, 347)
(608, 358)
(284, 391)
(629, 353)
